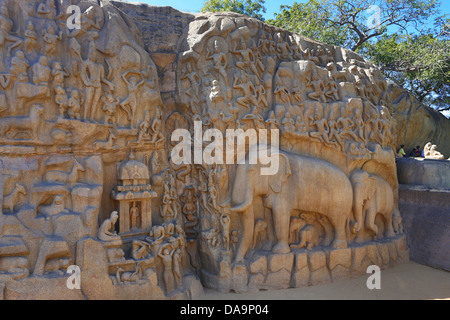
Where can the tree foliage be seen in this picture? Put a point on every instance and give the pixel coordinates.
(252, 8)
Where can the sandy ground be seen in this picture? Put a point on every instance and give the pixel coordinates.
(410, 281)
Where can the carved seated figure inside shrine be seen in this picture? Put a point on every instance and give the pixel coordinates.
(134, 195)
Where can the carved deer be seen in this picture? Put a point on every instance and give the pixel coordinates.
(64, 177)
(11, 200)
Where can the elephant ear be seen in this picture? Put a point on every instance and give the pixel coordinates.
(284, 171)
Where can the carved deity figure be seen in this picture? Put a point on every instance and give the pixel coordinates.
(319, 88)
(248, 59)
(166, 255)
(247, 87)
(219, 59)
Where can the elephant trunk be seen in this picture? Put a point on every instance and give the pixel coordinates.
(358, 205)
(246, 204)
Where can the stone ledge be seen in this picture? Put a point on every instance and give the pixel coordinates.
(309, 267)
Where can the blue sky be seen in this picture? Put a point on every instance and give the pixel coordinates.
(272, 6)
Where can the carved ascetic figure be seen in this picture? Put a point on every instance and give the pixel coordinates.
(371, 196)
(129, 104)
(31, 39)
(294, 187)
(106, 231)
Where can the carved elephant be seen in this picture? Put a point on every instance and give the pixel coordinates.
(301, 183)
(372, 195)
(309, 238)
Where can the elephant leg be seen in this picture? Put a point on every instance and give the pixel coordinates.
(248, 220)
(340, 237)
(389, 226)
(281, 218)
(370, 219)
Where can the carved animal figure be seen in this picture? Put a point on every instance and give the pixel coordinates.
(260, 229)
(301, 183)
(294, 227)
(19, 124)
(337, 75)
(12, 199)
(309, 238)
(65, 177)
(371, 196)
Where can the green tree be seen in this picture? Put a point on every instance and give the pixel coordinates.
(252, 8)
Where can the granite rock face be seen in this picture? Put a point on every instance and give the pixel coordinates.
(89, 117)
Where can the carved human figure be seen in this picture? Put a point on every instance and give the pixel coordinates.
(248, 89)
(31, 39)
(288, 124)
(110, 104)
(144, 128)
(346, 125)
(41, 72)
(61, 100)
(51, 40)
(19, 67)
(177, 267)
(318, 86)
(333, 92)
(157, 135)
(167, 212)
(248, 58)
(129, 104)
(166, 255)
(93, 74)
(272, 121)
(225, 221)
(322, 128)
(220, 62)
(90, 25)
(106, 231)
(334, 133)
(193, 89)
(46, 9)
(300, 127)
(58, 74)
(6, 25)
(74, 105)
(134, 216)
(283, 49)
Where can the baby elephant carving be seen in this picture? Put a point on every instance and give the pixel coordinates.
(260, 229)
(309, 238)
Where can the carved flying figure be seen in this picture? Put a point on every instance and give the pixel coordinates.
(6, 25)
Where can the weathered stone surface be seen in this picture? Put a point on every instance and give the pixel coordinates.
(317, 260)
(276, 262)
(433, 174)
(278, 280)
(259, 265)
(426, 220)
(418, 124)
(87, 118)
